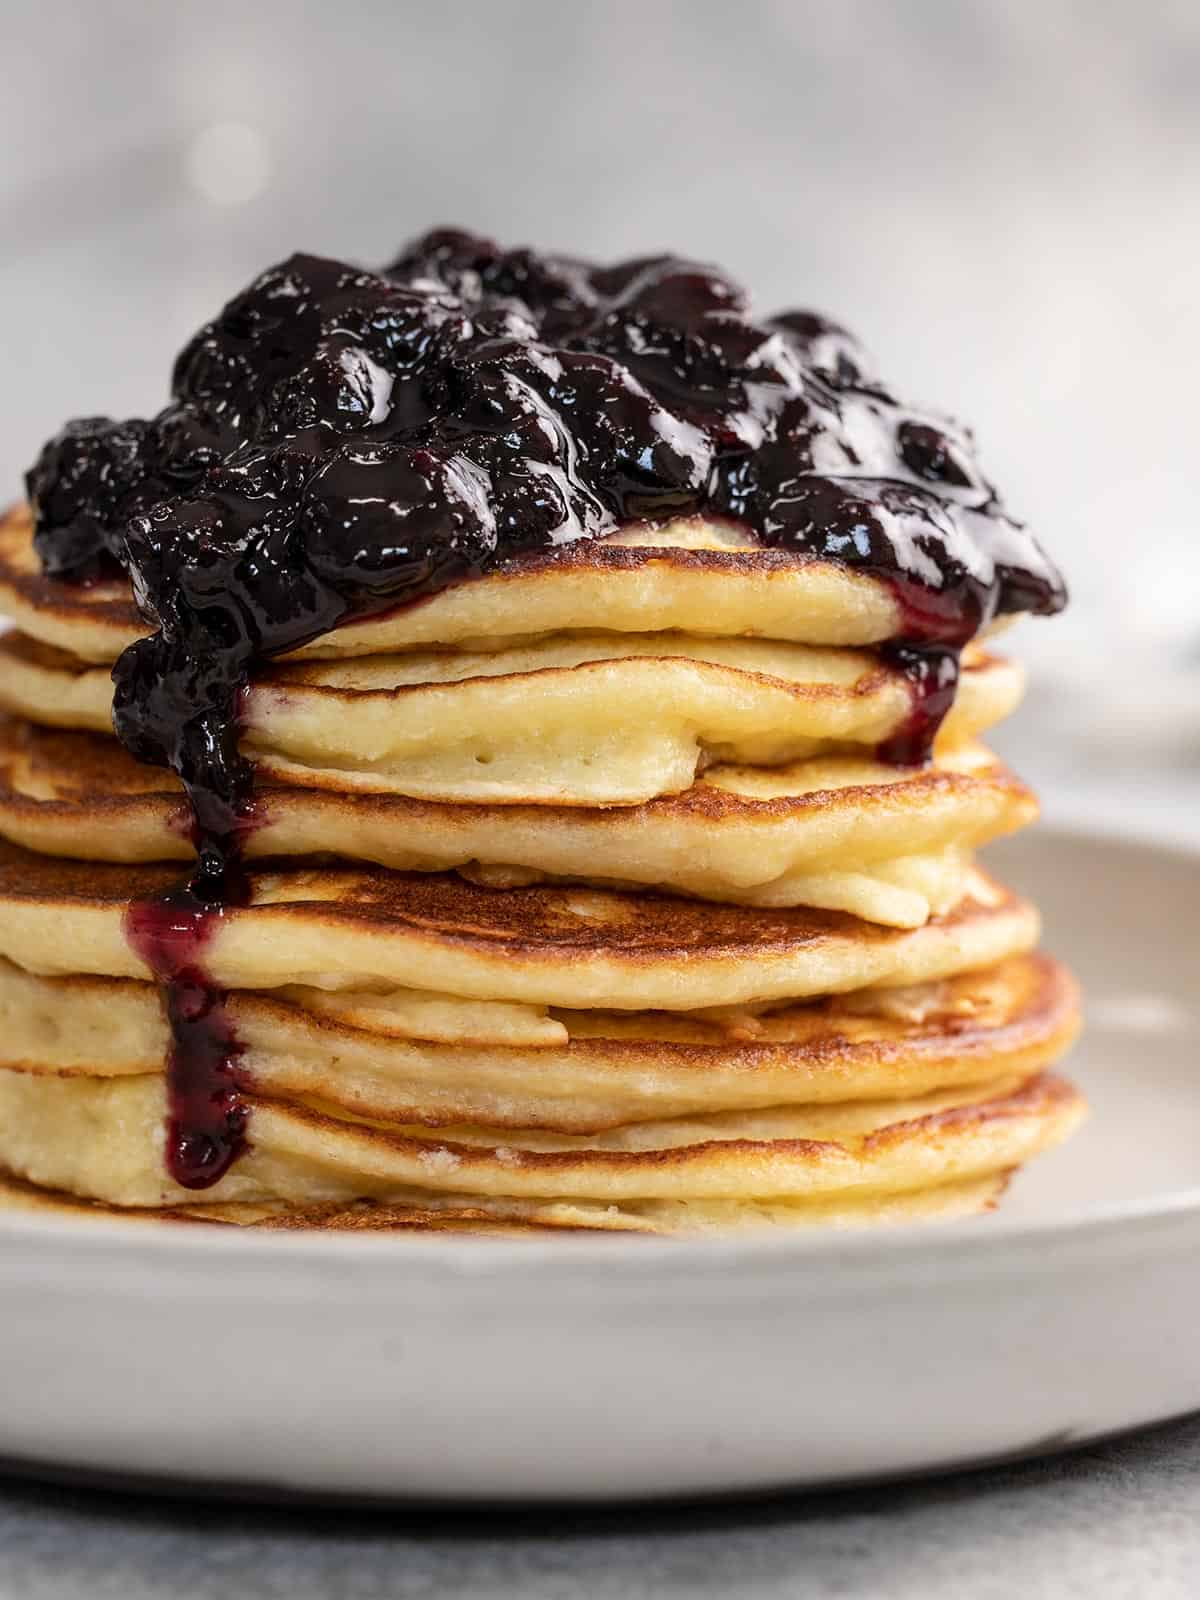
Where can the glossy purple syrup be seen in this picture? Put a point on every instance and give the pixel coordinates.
(341, 442)
(206, 1116)
(932, 672)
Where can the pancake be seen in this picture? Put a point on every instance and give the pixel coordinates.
(903, 893)
(690, 576)
(565, 721)
(948, 1201)
(515, 1219)
(628, 885)
(842, 832)
(368, 1054)
(546, 945)
(103, 1139)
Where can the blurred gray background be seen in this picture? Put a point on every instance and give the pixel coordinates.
(1003, 200)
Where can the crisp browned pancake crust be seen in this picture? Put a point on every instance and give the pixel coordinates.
(890, 845)
(546, 944)
(785, 1158)
(515, 1221)
(582, 1072)
(671, 576)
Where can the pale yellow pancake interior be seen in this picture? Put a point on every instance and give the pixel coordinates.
(890, 845)
(537, 724)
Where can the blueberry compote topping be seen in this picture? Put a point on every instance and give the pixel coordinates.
(340, 442)
(206, 1122)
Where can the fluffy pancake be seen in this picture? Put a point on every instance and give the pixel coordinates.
(575, 896)
(546, 945)
(841, 832)
(585, 1071)
(429, 1213)
(688, 576)
(565, 721)
(103, 1138)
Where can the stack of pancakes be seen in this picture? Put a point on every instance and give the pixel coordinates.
(549, 926)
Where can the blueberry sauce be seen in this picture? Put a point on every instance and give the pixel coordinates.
(342, 442)
(206, 1116)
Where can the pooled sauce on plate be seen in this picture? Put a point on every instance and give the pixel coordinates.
(340, 442)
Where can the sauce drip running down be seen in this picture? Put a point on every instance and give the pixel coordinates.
(206, 1123)
(341, 442)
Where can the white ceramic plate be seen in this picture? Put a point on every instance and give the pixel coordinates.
(591, 1369)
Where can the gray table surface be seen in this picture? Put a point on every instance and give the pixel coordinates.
(1118, 1519)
